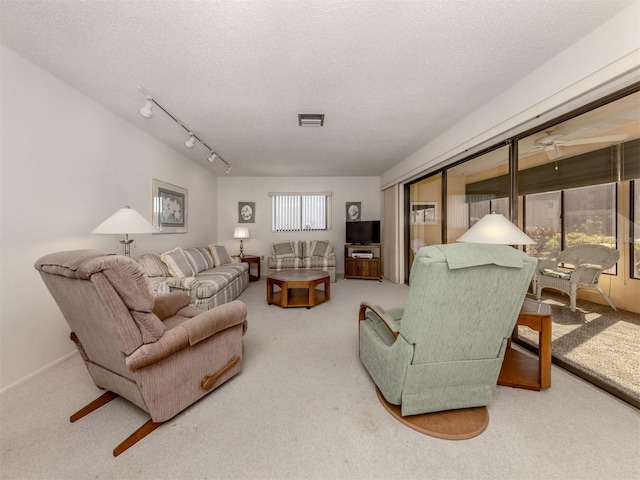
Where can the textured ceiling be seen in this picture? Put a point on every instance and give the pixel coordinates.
(388, 75)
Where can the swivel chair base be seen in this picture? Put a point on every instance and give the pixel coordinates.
(459, 424)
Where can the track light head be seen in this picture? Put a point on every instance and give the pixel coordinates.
(146, 111)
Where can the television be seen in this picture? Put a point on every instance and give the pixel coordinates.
(363, 232)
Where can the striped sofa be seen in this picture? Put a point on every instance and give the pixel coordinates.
(303, 254)
(207, 274)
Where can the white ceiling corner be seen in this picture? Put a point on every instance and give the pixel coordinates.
(389, 76)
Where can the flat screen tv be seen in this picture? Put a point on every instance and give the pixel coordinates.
(363, 232)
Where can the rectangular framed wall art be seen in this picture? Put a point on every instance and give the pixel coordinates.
(170, 207)
(424, 213)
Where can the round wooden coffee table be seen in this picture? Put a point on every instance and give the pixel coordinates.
(298, 288)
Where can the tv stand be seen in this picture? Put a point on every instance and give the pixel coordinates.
(363, 268)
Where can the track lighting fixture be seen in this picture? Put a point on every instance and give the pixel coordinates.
(147, 112)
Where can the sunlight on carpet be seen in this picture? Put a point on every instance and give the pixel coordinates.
(595, 339)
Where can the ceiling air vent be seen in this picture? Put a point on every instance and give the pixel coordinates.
(311, 119)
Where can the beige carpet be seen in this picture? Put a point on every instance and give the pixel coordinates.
(305, 408)
(595, 339)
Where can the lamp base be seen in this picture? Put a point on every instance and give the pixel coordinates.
(126, 243)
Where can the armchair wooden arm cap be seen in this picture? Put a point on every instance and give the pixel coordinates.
(390, 323)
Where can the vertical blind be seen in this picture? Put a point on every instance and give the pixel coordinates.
(291, 212)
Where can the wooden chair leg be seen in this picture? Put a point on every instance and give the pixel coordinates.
(136, 436)
(96, 404)
(132, 439)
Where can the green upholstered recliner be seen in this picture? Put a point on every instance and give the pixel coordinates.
(444, 349)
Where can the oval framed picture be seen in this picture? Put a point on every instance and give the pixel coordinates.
(353, 211)
(246, 212)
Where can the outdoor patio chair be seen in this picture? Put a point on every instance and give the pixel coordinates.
(587, 262)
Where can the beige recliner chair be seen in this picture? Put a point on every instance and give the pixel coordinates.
(157, 352)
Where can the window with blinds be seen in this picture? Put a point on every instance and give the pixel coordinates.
(296, 212)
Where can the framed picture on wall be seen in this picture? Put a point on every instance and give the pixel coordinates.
(169, 207)
(354, 210)
(424, 213)
(246, 212)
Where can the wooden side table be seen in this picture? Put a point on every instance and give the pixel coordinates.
(251, 259)
(523, 371)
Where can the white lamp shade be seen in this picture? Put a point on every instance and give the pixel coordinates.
(125, 221)
(241, 232)
(495, 229)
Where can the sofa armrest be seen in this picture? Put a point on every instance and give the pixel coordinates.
(183, 283)
(188, 333)
(168, 305)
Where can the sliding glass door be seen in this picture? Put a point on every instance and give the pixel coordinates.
(576, 181)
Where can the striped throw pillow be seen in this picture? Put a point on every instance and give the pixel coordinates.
(220, 255)
(321, 248)
(153, 265)
(177, 263)
(199, 258)
(283, 250)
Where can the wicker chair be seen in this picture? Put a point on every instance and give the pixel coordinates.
(589, 262)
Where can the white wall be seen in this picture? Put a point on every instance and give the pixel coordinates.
(256, 189)
(600, 63)
(67, 164)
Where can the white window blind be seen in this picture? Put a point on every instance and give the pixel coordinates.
(295, 212)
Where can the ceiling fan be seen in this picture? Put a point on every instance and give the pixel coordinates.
(550, 143)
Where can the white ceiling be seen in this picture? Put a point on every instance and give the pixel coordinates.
(388, 75)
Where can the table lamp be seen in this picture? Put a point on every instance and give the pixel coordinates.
(241, 233)
(495, 229)
(125, 221)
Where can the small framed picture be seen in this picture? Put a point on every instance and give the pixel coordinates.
(170, 204)
(246, 212)
(353, 210)
(424, 213)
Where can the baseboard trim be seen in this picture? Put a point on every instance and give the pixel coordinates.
(64, 358)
